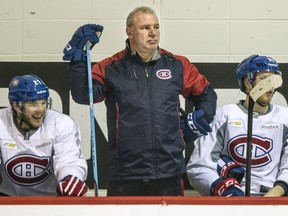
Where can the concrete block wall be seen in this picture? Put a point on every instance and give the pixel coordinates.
(203, 30)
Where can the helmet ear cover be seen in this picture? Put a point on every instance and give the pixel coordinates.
(27, 88)
(254, 64)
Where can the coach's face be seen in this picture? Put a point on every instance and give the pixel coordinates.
(144, 35)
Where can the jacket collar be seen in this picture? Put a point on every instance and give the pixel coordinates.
(156, 54)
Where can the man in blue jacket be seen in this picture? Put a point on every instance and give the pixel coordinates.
(141, 86)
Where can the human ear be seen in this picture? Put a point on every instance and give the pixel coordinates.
(129, 32)
(247, 85)
(16, 106)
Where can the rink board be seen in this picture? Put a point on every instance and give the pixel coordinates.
(63, 206)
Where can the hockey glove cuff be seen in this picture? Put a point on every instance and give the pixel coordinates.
(230, 169)
(226, 187)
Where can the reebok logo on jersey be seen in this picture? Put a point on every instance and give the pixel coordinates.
(235, 124)
(270, 127)
(164, 74)
(43, 144)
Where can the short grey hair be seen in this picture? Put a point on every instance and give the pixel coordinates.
(143, 9)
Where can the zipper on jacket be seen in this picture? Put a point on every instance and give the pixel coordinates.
(135, 74)
(146, 72)
(117, 130)
(148, 82)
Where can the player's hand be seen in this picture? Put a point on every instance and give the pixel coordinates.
(226, 187)
(230, 169)
(72, 186)
(194, 125)
(276, 191)
(74, 50)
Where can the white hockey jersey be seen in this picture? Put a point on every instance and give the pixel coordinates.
(33, 167)
(229, 137)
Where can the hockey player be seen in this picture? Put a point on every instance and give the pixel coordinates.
(217, 165)
(39, 148)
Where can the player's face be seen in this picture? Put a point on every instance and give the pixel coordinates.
(144, 34)
(33, 114)
(266, 98)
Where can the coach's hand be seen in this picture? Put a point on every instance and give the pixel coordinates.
(74, 50)
(72, 186)
(194, 125)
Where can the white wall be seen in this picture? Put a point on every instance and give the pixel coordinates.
(203, 30)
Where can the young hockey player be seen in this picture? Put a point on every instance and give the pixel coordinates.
(39, 148)
(217, 165)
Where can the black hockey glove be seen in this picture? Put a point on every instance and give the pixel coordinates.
(72, 186)
(74, 50)
(194, 125)
(226, 187)
(230, 169)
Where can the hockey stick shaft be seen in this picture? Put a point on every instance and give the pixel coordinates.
(93, 134)
(270, 83)
(249, 147)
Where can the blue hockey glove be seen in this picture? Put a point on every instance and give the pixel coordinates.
(194, 125)
(226, 187)
(230, 169)
(74, 50)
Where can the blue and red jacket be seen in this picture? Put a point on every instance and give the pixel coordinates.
(143, 117)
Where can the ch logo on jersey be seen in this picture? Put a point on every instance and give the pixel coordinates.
(28, 170)
(261, 148)
(164, 74)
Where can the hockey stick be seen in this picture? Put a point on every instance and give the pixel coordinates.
(93, 135)
(270, 83)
